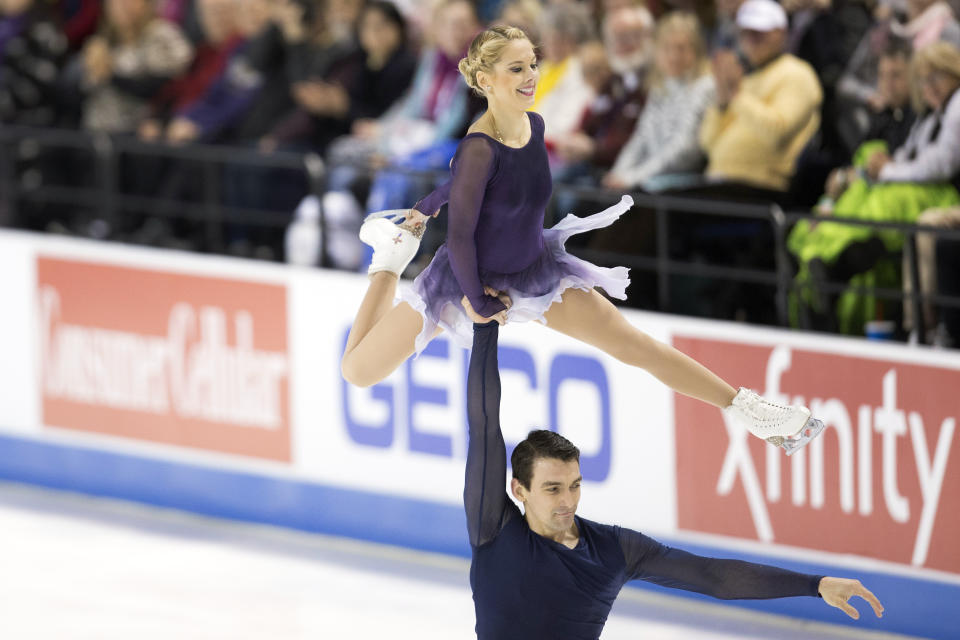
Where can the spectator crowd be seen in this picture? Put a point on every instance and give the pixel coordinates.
(845, 109)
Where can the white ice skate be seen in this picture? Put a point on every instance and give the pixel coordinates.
(394, 245)
(788, 427)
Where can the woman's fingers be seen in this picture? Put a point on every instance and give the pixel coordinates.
(499, 295)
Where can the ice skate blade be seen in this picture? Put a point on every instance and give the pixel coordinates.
(392, 214)
(791, 445)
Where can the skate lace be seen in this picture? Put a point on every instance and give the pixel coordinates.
(765, 412)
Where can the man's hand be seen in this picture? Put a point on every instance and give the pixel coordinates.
(366, 129)
(875, 164)
(182, 130)
(836, 592)
(727, 74)
(150, 130)
(575, 147)
(500, 317)
(613, 181)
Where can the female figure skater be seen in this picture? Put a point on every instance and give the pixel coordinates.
(509, 268)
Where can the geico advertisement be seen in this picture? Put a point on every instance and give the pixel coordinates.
(407, 435)
(882, 481)
(187, 360)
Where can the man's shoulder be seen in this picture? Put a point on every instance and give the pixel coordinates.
(791, 64)
(599, 528)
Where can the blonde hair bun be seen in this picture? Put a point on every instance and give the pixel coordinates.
(485, 51)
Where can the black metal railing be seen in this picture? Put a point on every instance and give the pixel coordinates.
(103, 194)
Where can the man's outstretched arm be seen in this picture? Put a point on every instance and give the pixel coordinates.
(484, 491)
(649, 560)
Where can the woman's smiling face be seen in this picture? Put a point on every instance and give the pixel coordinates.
(513, 81)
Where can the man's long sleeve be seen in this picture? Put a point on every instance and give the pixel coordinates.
(654, 562)
(484, 495)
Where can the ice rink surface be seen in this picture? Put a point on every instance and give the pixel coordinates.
(79, 567)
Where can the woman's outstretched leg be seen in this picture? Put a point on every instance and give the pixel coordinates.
(591, 318)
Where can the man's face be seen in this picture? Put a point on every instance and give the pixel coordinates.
(629, 41)
(893, 80)
(551, 501)
(761, 46)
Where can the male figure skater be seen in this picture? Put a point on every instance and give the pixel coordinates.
(546, 573)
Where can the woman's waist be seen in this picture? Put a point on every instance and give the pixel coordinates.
(510, 258)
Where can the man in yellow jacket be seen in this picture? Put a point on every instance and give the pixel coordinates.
(761, 120)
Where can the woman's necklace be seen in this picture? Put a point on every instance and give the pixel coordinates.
(496, 130)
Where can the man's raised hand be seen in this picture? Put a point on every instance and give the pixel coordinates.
(836, 592)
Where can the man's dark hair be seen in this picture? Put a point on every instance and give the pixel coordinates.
(540, 443)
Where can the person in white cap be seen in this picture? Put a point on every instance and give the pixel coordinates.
(763, 118)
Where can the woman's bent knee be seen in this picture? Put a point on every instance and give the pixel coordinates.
(354, 373)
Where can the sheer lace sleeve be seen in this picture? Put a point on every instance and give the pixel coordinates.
(649, 560)
(484, 495)
(430, 204)
(472, 167)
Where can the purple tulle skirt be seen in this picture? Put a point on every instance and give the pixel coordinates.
(436, 294)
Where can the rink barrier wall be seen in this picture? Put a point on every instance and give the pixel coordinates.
(212, 385)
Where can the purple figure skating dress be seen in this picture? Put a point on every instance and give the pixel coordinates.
(497, 197)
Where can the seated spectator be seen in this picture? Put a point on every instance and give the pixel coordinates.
(824, 33)
(680, 89)
(256, 90)
(925, 21)
(148, 174)
(892, 189)
(890, 126)
(419, 131)
(938, 271)
(220, 37)
(562, 92)
(752, 135)
(224, 102)
(761, 120)
(123, 67)
(894, 117)
(616, 70)
(33, 48)
(361, 86)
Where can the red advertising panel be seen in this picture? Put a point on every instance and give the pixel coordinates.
(882, 481)
(180, 359)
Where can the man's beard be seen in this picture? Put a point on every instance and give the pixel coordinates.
(630, 62)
